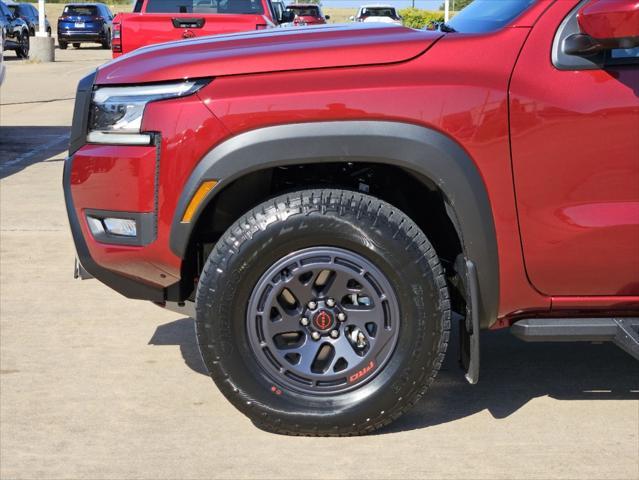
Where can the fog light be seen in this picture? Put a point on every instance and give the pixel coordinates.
(95, 225)
(124, 227)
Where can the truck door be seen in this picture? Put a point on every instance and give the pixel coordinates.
(575, 154)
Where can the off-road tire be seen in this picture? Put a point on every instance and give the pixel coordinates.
(341, 219)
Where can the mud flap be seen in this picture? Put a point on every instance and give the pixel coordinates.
(80, 272)
(469, 330)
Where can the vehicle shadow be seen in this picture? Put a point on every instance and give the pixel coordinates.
(22, 146)
(513, 372)
(182, 334)
(12, 58)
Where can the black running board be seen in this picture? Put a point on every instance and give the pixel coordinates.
(623, 332)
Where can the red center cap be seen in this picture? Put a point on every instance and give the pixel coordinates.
(323, 320)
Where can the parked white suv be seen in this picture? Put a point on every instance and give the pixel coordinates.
(377, 13)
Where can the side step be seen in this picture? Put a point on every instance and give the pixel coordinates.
(623, 332)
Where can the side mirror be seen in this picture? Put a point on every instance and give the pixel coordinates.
(327, 17)
(287, 16)
(608, 24)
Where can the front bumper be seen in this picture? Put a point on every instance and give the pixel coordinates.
(140, 183)
(129, 287)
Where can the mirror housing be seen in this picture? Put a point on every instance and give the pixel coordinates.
(610, 23)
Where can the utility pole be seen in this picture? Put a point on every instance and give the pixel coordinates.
(42, 32)
(446, 10)
(42, 46)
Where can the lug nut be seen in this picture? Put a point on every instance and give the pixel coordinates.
(304, 321)
(312, 305)
(315, 335)
(330, 302)
(334, 333)
(341, 316)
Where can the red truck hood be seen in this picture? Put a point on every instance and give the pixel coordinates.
(268, 51)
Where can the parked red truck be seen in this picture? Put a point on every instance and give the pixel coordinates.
(331, 198)
(157, 21)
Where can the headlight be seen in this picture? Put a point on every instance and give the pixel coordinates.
(116, 112)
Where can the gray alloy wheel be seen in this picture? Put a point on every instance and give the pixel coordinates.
(319, 316)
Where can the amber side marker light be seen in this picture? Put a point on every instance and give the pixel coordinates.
(201, 193)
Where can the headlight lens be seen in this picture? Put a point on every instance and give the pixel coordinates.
(116, 112)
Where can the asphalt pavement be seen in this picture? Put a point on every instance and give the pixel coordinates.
(96, 386)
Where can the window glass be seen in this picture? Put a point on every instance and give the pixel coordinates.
(81, 10)
(379, 12)
(205, 6)
(5, 11)
(483, 16)
(625, 53)
(304, 11)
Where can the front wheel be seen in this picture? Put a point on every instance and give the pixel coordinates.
(23, 45)
(323, 312)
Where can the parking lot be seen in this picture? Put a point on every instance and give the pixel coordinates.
(93, 385)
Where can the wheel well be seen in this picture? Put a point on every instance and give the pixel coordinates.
(416, 196)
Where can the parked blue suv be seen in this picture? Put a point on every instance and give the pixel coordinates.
(85, 22)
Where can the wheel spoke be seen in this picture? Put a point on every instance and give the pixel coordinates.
(339, 285)
(344, 349)
(307, 353)
(302, 292)
(361, 316)
(287, 323)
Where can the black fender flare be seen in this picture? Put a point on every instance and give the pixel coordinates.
(422, 151)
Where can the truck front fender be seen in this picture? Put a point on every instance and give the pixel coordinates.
(422, 151)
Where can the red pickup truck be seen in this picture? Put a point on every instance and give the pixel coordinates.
(157, 21)
(331, 233)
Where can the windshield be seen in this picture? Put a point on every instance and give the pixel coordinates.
(204, 6)
(379, 12)
(483, 16)
(81, 11)
(304, 11)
